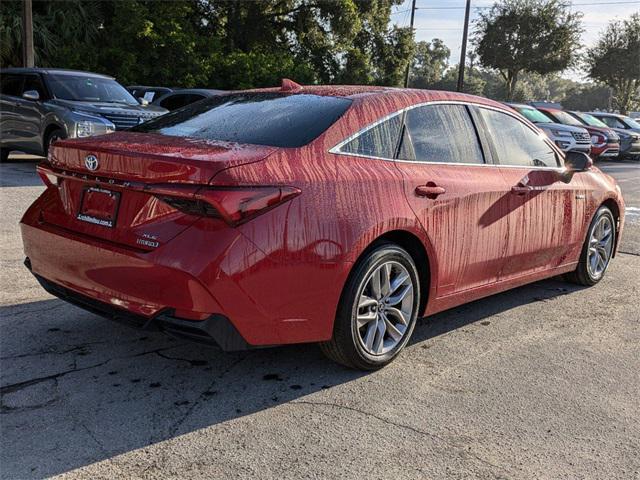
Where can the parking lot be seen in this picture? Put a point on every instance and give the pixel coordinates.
(538, 382)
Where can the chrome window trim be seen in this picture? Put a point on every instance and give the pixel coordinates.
(336, 149)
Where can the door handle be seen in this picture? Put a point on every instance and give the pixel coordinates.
(521, 189)
(431, 190)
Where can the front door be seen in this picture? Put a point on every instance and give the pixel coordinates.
(10, 92)
(460, 199)
(29, 116)
(547, 214)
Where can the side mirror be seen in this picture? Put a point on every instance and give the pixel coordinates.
(32, 95)
(575, 162)
(143, 101)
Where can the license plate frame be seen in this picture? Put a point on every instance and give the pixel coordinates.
(88, 213)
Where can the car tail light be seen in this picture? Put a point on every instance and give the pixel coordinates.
(47, 176)
(234, 205)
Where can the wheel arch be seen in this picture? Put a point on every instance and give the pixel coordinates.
(613, 205)
(415, 246)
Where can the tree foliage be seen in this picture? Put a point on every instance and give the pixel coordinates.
(216, 43)
(516, 36)
(615, 61)
(430, 61)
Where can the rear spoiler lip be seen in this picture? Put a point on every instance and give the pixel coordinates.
(43, 169)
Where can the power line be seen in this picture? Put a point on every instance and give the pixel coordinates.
(634, 2)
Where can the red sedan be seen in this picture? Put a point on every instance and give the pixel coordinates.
(335, 215)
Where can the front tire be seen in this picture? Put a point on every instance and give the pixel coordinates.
(377, 311)
(54, 135)
(4, 155)
(597, 249)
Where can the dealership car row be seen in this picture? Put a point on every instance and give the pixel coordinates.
(41, 105)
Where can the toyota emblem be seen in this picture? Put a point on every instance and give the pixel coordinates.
(91, 162)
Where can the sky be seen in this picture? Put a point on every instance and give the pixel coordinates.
(444, 19)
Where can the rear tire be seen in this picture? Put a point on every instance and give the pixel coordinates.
(597, 249)
(57, 134)
(377, 311)
(4, 155)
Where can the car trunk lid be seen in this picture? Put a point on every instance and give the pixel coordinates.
(110, 188)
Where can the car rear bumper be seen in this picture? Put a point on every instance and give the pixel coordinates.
(214, 330)
(205, 272)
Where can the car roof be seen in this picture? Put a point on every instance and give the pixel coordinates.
(607, 114)
(204, 91)
(58, 71)
(402, 97)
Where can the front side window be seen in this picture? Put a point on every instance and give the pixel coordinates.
(33, 82)
(259, 118)
(441, 134)
(515, 143)
(613, 122)
(379, 141)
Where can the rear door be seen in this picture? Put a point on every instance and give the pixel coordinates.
(546, 214)
(458, 196)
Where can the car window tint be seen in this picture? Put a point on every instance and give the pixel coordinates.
(11, 85)
(34, 82)
(259, 118)
(515, 143)
(379, 141)
(440, 133)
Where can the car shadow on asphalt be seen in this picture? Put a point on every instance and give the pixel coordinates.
(20, 173)
(78, 389)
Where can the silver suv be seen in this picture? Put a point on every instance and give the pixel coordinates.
(41, 105)
(567, 137)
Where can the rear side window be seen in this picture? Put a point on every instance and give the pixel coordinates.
(11, 85)
(515, 143)
(441, 134)
(379, 141)
(273, 119)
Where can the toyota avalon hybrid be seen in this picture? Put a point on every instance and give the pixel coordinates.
(335, 215)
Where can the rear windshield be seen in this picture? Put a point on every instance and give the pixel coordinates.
(272, 119)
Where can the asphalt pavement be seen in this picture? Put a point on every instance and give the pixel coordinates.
(539, 382)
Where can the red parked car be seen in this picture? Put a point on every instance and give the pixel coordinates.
(604, 141)
(335, 215)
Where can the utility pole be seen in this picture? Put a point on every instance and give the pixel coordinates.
(27, 34)
(413, 15)
(463, 49)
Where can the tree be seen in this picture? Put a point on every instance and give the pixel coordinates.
(587, 97)
(216, 43)
(430, 61)
(615, 61)
(517, 36)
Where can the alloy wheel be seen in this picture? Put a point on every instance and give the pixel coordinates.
(600, 247)
(385, 308)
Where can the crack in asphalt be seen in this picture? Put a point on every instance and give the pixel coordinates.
(387, 421)
(80, 347)
(5, 389)
(629, 253)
